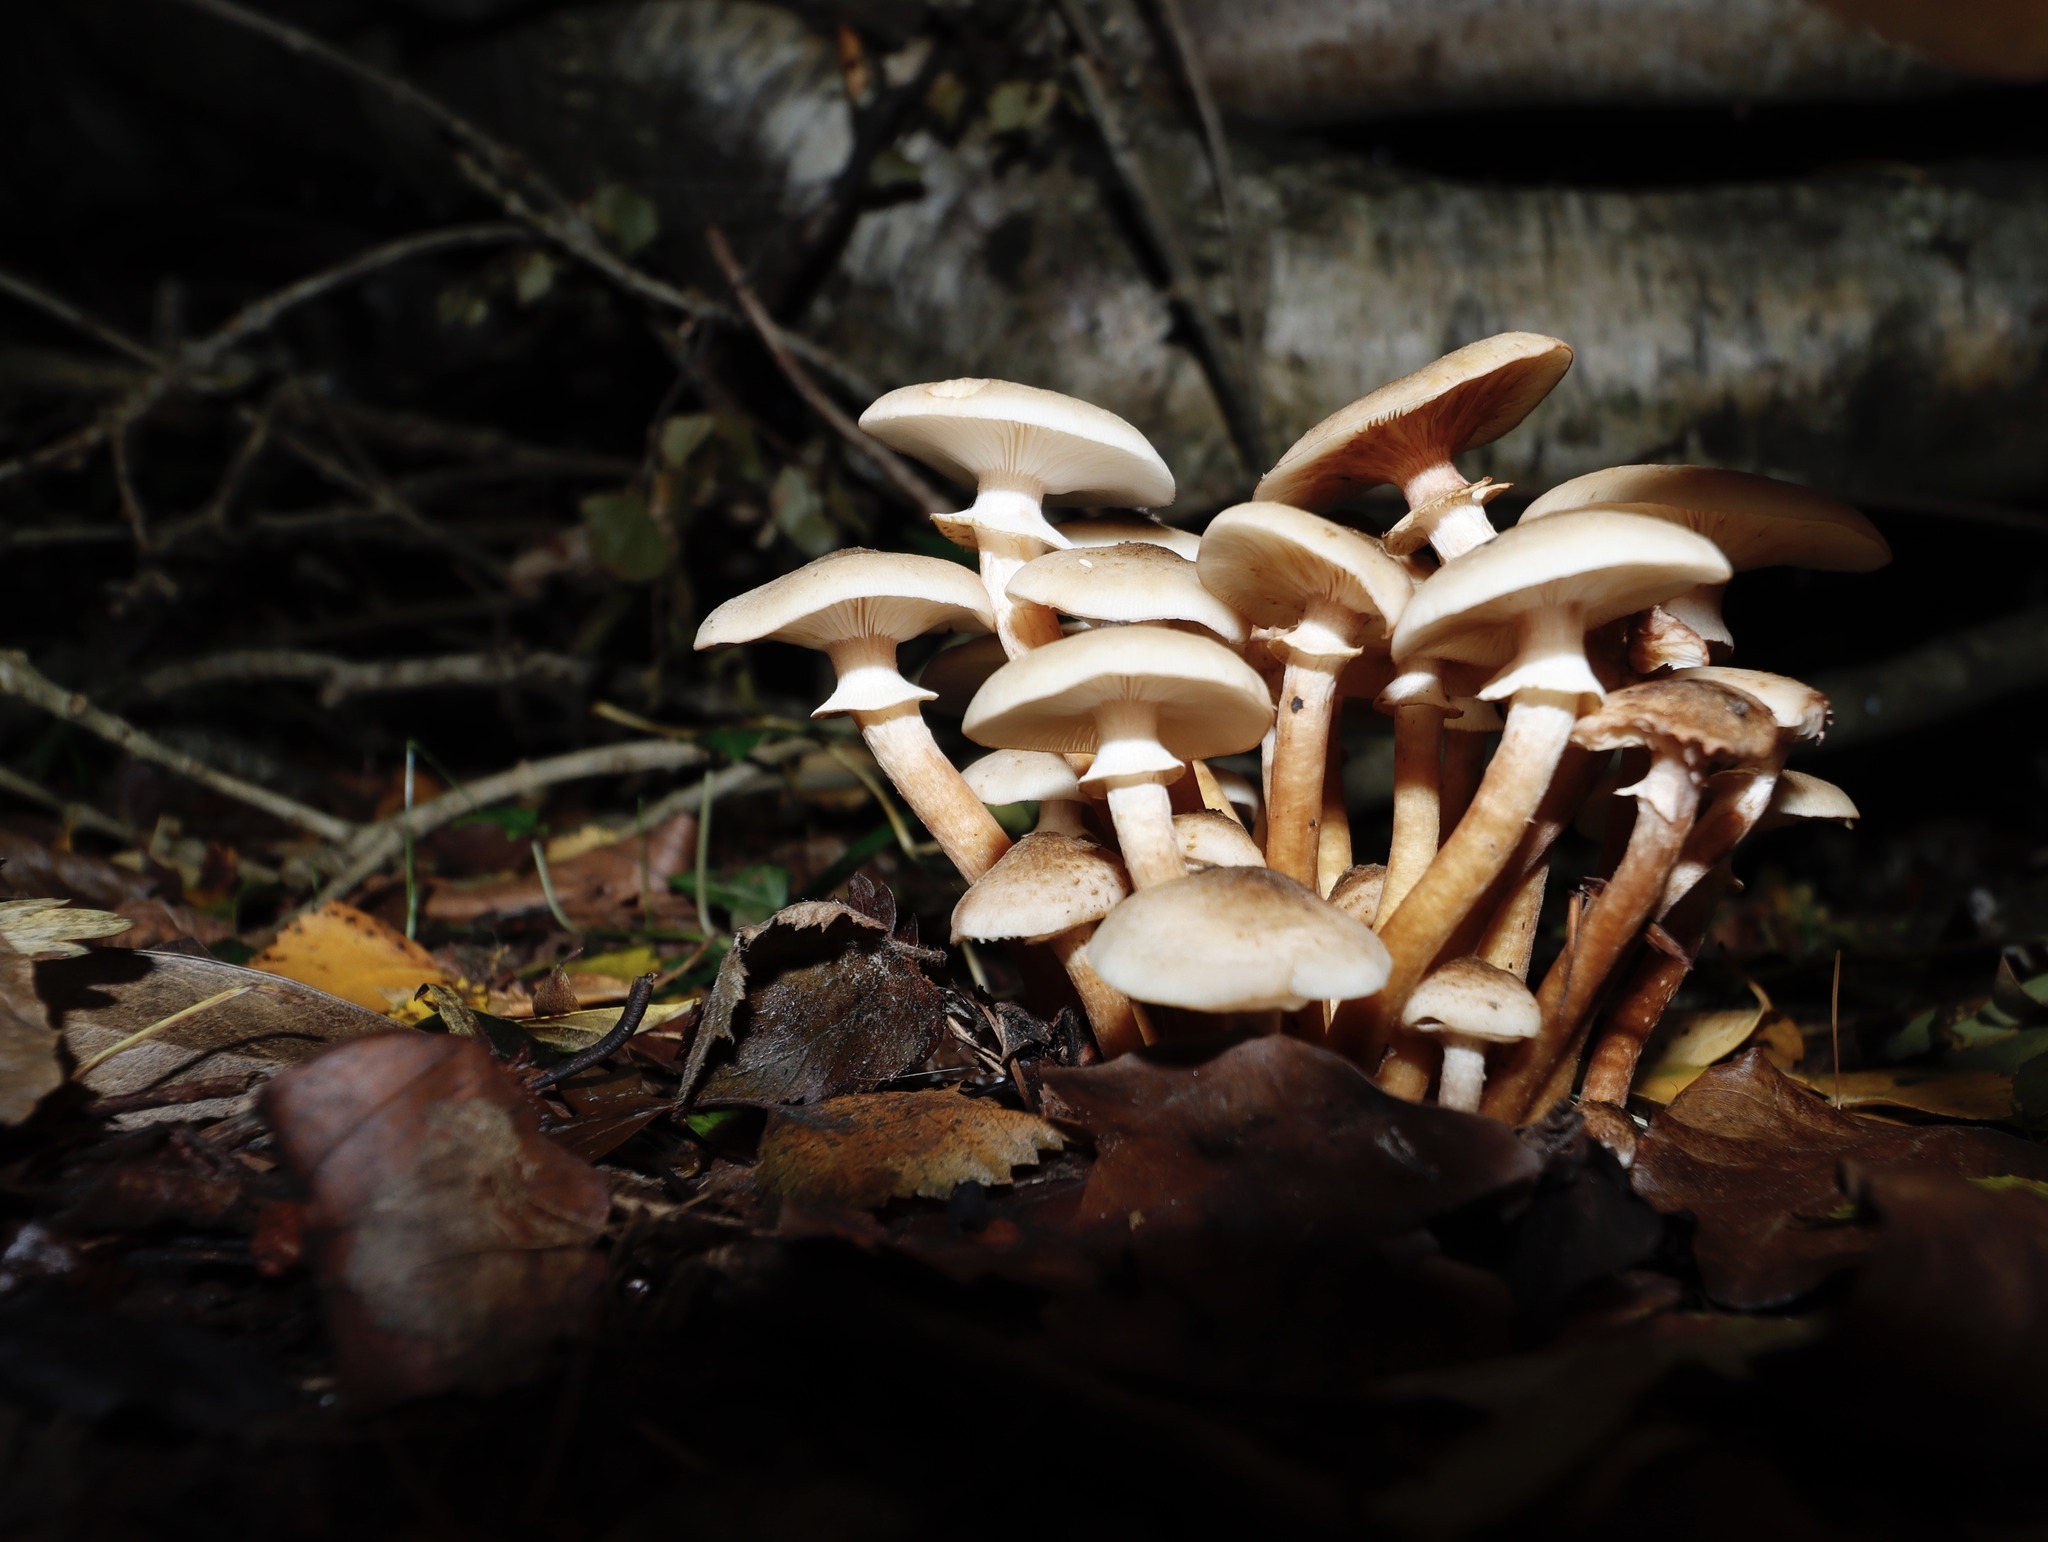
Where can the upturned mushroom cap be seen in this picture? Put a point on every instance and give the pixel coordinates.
(1236, 939)
(1707, 725)
(1800, 710)
(1022, 776)
(1132, 581)
(1799, 795)
(1757, 521)
(1276, 565)
(1591, 566)
(1110, 531)
(1209, 839)
(1469, 397)
(1044, 885)
(996, 433)
(1473, 999)
(1192, 694)
(850, 601)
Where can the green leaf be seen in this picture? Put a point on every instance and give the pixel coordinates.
(800, 512)
(624, 537)
(532, 277)
(894, 172)
(850, 860)
(2005, 1181)
(708, 1124)
(929, 543)
(735, 744)
(2030, 1093)
(683, 435)
(517, 823)
(749, 897)
(629, 218)
(737, 435)
(1018, 106)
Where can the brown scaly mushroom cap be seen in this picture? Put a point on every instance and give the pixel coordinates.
(1702, 726)
(1111, 531)
(1236, 939)
(1800, 710)
(1132, 581)
(1409, 431)
(1044, 885)
(1357, 892)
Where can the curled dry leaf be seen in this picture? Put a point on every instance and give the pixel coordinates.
(815, 1002)
(596, 882)
(1755, 1159)
(864, 1150)
(339, 949)
(452, 1241)
(50, 928)
(29, 1070)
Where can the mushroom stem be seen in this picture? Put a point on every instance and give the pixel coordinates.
(1409, 1068)
(1740, 800)
(1700, 609)
(1418, 802)
(1510, 940)
(902, 745)
(1464, 1074)
(1641, 1003)
(1143, 815)
(1667, 802)
(1308, 695)
(1110, 1014)
(1333, 835)
(1020, 624)
(1539, 726)
(1061, 816)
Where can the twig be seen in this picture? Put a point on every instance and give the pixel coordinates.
(76, 816)
(547, 891)
(78, 320)
(204, 1090)
(1940, 679)
(1183, 284)
(214, 512)
(19, 679)
(56, 452)
(342, 678)
(124, 480)
(414, 431)
(631, 1016)
(922, 497)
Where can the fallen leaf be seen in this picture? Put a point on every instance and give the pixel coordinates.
(1979, 1095)
(1753, 1157)
(452, 1241)
(595, 884)
(816, 1002)
(553, 995)
(29, 1069)
(341, 950)
(49, 928)
(866, 1149)
(1686, 1043)
(35, 863)
(111, 994)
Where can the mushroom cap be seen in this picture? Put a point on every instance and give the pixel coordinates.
(1357, 892)
(1469, 397)
(1605, 563)
(1022, 776)
(1013, 435)
(1236, 939)
(1757, 521)
(1210, 839)
(1800, 795)
(1799, 709)
(958, 670)
(1271, 563)
(1208, 700)
(1111, 531)
(1238, 792)
(1042, 886)
(851, 594)
(1472, 999)
(1132, 581)
(1707, 725)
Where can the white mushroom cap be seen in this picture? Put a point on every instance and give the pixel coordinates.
(1469, 397)
(1142, 699)
(1800, 710)
(1799, 795)
(1133, 581)
(1280, 567)
(1022, 776)
(1114, 532)
(1473, 999)
(1209, 839)
(1044, 885)
(1236, 939)
(998, 434)
(856, 605)
(1240, 793)
(1526, 598)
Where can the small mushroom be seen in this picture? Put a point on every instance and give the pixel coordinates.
(1470, 1006)
(1215, 840)
(1018, 446)
(857, 606)
(1143, 701)
(1357, 893)
(1133, 581)
(1053, 889)
(1032, 776)
(1408, 433)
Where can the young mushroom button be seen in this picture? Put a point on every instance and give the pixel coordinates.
(1408, 431)
(1018, 446)
(1470, 1005)
(1031, 776)
(856, 606)
(1143, 701)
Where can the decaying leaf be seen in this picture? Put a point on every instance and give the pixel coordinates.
(1754, 1158)
(816, 1002)
(341, 950)
(111, 994)
(50, 928)
(864, 1150)
(452, 1241)
(29, 1070)
(591, 881)
(1937, 1090)
(1686, 1043)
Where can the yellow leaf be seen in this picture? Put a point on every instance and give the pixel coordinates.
(1923, 1089)
(868, 1148)
(340, 950)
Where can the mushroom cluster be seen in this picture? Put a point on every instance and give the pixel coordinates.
(1568, 665)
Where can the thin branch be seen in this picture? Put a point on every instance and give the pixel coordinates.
(1184, 285)
(20, 679)
(76, 816)
(124, 483)
(78, 320)
(55, 453)
(341, 678)
(914, 490)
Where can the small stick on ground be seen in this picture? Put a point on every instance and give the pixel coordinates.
(630, 1017)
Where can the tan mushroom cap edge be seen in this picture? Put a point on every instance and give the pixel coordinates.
(1270, 562)
(1705, 723)
(851, 594)
(1112, 531)
(1474, 999)
(1021, 776)
(1131, 581)
(1800, 710)
(1044, 885)
(1209, 839)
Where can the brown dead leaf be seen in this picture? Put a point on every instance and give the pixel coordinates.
(1754, 1158)
(341, 950)
(553, 995)
(591, 882)
(452, 1241)
(29, 1069)
(1985, 1096)
(864, 1150)
(818, 1001)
